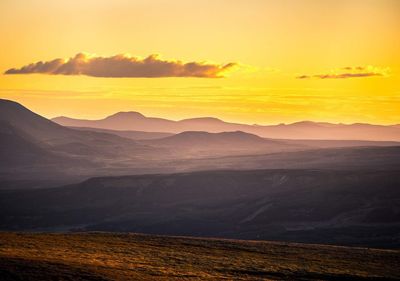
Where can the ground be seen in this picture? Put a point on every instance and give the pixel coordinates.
(110, 256)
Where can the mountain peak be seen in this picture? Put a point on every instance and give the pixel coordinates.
(305, 123)
(10, 105)
(126, 115)
(202, 119)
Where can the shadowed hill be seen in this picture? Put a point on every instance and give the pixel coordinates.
(31, 143)
(319, 206)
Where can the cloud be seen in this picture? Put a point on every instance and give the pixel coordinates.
(350, 72)
(124, 66)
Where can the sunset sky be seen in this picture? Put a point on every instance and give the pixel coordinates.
(259, 61)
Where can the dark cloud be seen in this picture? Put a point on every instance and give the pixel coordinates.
(124, 66)
(303, 77)
(360, 68)
(351, 72)
(347, 75)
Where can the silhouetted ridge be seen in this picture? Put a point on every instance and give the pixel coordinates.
(304, 130)
(126, 115)
(202, 119)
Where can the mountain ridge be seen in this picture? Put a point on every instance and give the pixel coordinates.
(133, 120)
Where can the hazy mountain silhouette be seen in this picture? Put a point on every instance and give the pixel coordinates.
(197, 143)
(34, 147)
(43, 130)
(230, 143)
(298, 130)
(32, 143)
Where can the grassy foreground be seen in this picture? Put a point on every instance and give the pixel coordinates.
(110, 256)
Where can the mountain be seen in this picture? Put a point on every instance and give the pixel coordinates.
(31, 144)
(298, 130)
(132, 121)
(354, 207)
(200, 144)
(203, 144)
(33, 148)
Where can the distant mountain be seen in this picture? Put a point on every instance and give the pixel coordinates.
(197, 143)
(318, 206)
(298, 130)
(245, 142)
(40, 129)
(132, 121)
(33, 147)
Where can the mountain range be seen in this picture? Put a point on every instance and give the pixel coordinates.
(231, 184)
(33, 147)
(300, 130)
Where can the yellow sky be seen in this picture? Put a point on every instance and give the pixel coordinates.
(273, 41)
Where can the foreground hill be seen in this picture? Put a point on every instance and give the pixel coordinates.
(299, 130)
(316, 206)
(106, 256)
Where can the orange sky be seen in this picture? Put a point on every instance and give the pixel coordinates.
(272, 41)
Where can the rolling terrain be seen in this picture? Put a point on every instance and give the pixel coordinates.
(107, 256)
(314, 206)
(208, 184)
(36, 149)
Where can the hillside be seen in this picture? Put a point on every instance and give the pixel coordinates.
(35, 147)
(318, 206)
(19, 123)
(105, 256)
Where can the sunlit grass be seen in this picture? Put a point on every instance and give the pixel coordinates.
(98, 256)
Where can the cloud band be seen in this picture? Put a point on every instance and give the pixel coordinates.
(351, 72)
(124, 66)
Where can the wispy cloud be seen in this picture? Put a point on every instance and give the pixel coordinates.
(124, 66)
(350, 72)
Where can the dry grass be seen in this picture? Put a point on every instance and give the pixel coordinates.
(107, 256)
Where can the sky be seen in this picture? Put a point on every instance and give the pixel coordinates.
(247, 61)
